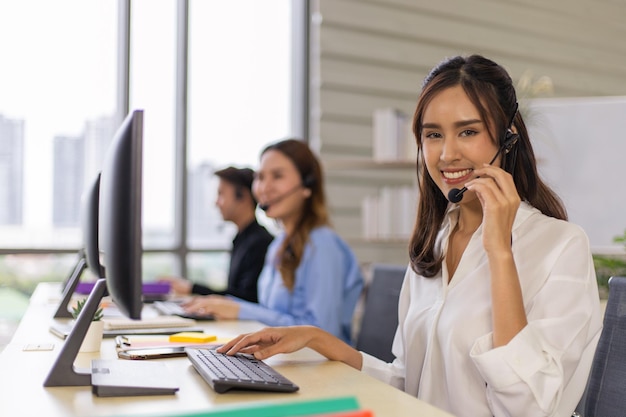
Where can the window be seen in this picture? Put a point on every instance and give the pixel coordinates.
(57, 99)
(239, 98)
(60, 93)
(152, 88)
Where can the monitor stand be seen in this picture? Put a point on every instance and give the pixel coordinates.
(63, 373)
(108, 378)
(70, 286)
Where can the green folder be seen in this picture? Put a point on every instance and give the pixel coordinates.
(282, 409)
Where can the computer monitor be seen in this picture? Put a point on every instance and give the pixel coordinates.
(119, 242)
(88, 255)
(90, 225)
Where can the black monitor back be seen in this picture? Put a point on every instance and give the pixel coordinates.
(120, 228)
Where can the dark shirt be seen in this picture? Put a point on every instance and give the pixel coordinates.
(246, 262)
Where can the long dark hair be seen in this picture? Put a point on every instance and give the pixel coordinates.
(491, 90)
(314, 213)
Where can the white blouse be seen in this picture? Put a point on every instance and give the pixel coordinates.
(443, 344)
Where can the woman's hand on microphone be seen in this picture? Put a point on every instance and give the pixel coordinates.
(500, 201)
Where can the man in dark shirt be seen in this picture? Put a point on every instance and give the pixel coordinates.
(236, 203)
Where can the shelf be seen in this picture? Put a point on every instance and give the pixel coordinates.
(378, 241)
(349, 164)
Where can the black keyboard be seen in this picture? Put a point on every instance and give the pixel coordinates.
(223, 372)
(173, 308)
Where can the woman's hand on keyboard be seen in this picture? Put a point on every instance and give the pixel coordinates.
(218, 306)
(270, 341)
(273, 340)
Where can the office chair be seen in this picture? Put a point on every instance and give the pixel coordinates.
(604, 394)
(380, 312)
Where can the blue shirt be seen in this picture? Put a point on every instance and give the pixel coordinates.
(328, 283)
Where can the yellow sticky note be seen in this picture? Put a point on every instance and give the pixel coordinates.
(192, 337)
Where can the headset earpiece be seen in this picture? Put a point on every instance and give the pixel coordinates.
(308, 181)
(510, 139)
(238, 193)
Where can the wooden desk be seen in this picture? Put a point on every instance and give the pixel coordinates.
(22, 374)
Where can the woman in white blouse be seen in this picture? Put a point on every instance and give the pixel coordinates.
(499, 311)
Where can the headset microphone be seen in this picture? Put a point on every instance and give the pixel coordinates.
(265, 206)
(307, 182)
(455, 195)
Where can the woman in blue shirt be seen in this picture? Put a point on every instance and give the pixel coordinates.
(310, 275)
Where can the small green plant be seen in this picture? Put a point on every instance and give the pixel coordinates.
(79, 306)
(620, 239)
(609, 265)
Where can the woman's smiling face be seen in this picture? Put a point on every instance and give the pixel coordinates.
(455, 140)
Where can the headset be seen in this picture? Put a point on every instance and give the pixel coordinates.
(510, 137)
(506, 145)
(308, 182)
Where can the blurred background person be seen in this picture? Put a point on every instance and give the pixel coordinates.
(236, 204)
(311, 276)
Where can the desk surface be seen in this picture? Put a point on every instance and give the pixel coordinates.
(22, 374)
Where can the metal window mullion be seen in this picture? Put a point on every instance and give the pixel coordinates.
(180, 166)
(300, 29)
(123, 61)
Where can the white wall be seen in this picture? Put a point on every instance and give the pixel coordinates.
(581, 144)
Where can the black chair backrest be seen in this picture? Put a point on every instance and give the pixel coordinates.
(380, 312)
(605, 394)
